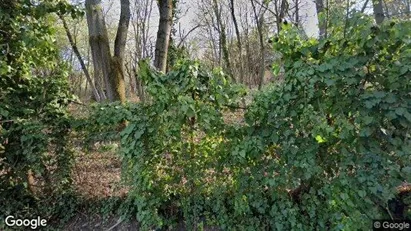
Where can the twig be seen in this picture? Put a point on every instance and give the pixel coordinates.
(6, 121)
(236, 107)
(364, 6)
(389, 212)
(185, 36)
(76, 102)
(118, 222)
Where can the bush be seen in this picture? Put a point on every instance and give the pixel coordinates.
(336, 132)
(327, 148)
(35, 158)
(172, 144)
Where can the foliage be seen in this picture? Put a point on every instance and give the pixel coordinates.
(338, 129)
(102, 122)
(171, 145)
(326, 149)
(34, 123)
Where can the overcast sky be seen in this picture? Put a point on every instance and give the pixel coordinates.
(307, 12)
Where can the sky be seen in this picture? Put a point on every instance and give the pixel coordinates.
(187, 21)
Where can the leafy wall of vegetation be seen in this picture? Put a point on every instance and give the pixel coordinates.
(327, 148)
(35, 159)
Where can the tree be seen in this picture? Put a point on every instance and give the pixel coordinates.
(322, 24)
(111, 68)
(80, 59)
(239, 45)
(378, 11)
(259, 18)
(221, 28)
(163, 34)
(119, 50)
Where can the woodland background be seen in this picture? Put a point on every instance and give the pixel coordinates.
(205, 115)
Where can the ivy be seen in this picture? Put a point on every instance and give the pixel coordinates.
(327, 148)
(34, 122)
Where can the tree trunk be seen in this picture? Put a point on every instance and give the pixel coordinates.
(80, 59)
(260, 21)
(239, 45)
(378, 11)
(119, 50)
(163, 34)
(99, 43)
(280, 16)
(223, 39)
(319, 4)
(111, 68)
(297, 13)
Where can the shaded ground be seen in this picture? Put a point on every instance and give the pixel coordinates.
(97, 174)
(83, 222)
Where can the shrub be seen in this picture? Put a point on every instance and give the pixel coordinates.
(35, 160)
(325, 149)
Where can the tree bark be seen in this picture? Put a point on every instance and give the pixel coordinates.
(223, 39)
(280, 16)
(80, 59)
(99, 43)
(119, 51)
(163, 34)
(259, 18)
(319, 5)
(239, 45)
(111, 68)
(378, 11)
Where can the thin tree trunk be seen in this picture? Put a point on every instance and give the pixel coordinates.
(364, 6)
(319, 4)
(297, 13)
(80, 59)
(163, 34)
(260, 20)
(223, 39)
(247, 50)
(347, 11)
(239, 45)
(280, 18)
(378, 11)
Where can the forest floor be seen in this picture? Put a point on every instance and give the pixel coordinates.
(97, 180)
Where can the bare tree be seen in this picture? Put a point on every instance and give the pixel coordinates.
(163, 34)
(209, 33)
(221, 28)
(239, 45)
(80, 59)
(259, 18)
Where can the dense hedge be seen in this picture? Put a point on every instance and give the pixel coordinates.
(327, 148)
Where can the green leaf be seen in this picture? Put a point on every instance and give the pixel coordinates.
(400, 111)
(242, 153)
(320, 139)
(362, 193)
